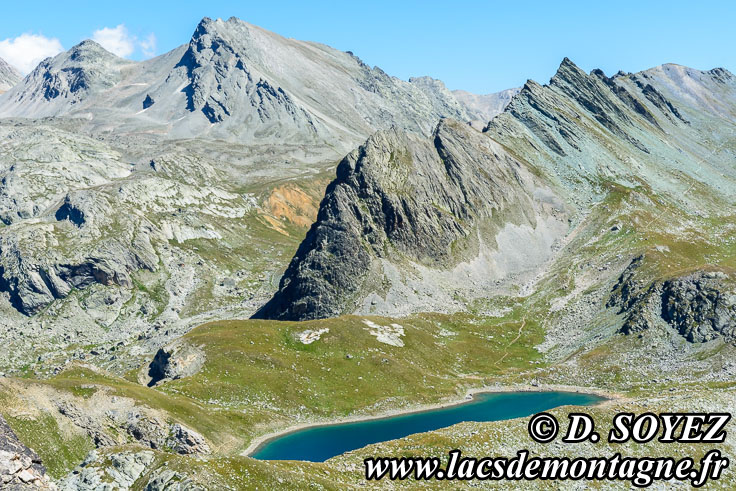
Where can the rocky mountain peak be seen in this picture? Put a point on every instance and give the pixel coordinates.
(88, 51)
(570, 77)
(65, 80)
(245, 79)
(568, 71)
(232, 36)
(721, 74)
(238, 82)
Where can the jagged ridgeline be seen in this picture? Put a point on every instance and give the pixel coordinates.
(412, 224)
(665, 129)
(409, 219)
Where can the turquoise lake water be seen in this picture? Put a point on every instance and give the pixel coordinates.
(319, 443)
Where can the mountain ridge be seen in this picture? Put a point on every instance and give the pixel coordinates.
(60, 83)
(265, 89)
(576, 117)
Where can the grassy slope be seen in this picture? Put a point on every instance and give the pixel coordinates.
(260, 378)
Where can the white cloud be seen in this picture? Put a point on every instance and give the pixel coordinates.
(27, 50)
(119, 41)
(116, 40)
(148, 45)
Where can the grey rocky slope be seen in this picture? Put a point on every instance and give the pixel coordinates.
(487, 106)
(581, 134)
(104, 242)
(455, 212)
(9, 76)
(238, 82)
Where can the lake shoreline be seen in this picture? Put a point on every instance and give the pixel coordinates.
(609, 397)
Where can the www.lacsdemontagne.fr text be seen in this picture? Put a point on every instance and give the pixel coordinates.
(640, 471)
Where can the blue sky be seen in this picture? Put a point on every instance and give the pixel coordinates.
(478, 46)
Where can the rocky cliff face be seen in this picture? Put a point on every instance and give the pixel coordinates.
(175, 361)
(403, 205)
(9, 76)
(579, 132)
(700, 306)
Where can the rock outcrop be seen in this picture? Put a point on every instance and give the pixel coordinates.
(168, 480)
(113, 471)
(20, 467)
(119, 422)
(184, 440)
(151, 431)
(399, 201)
(177, 360)
(700, 306)
(121, 470)
(34, 284)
